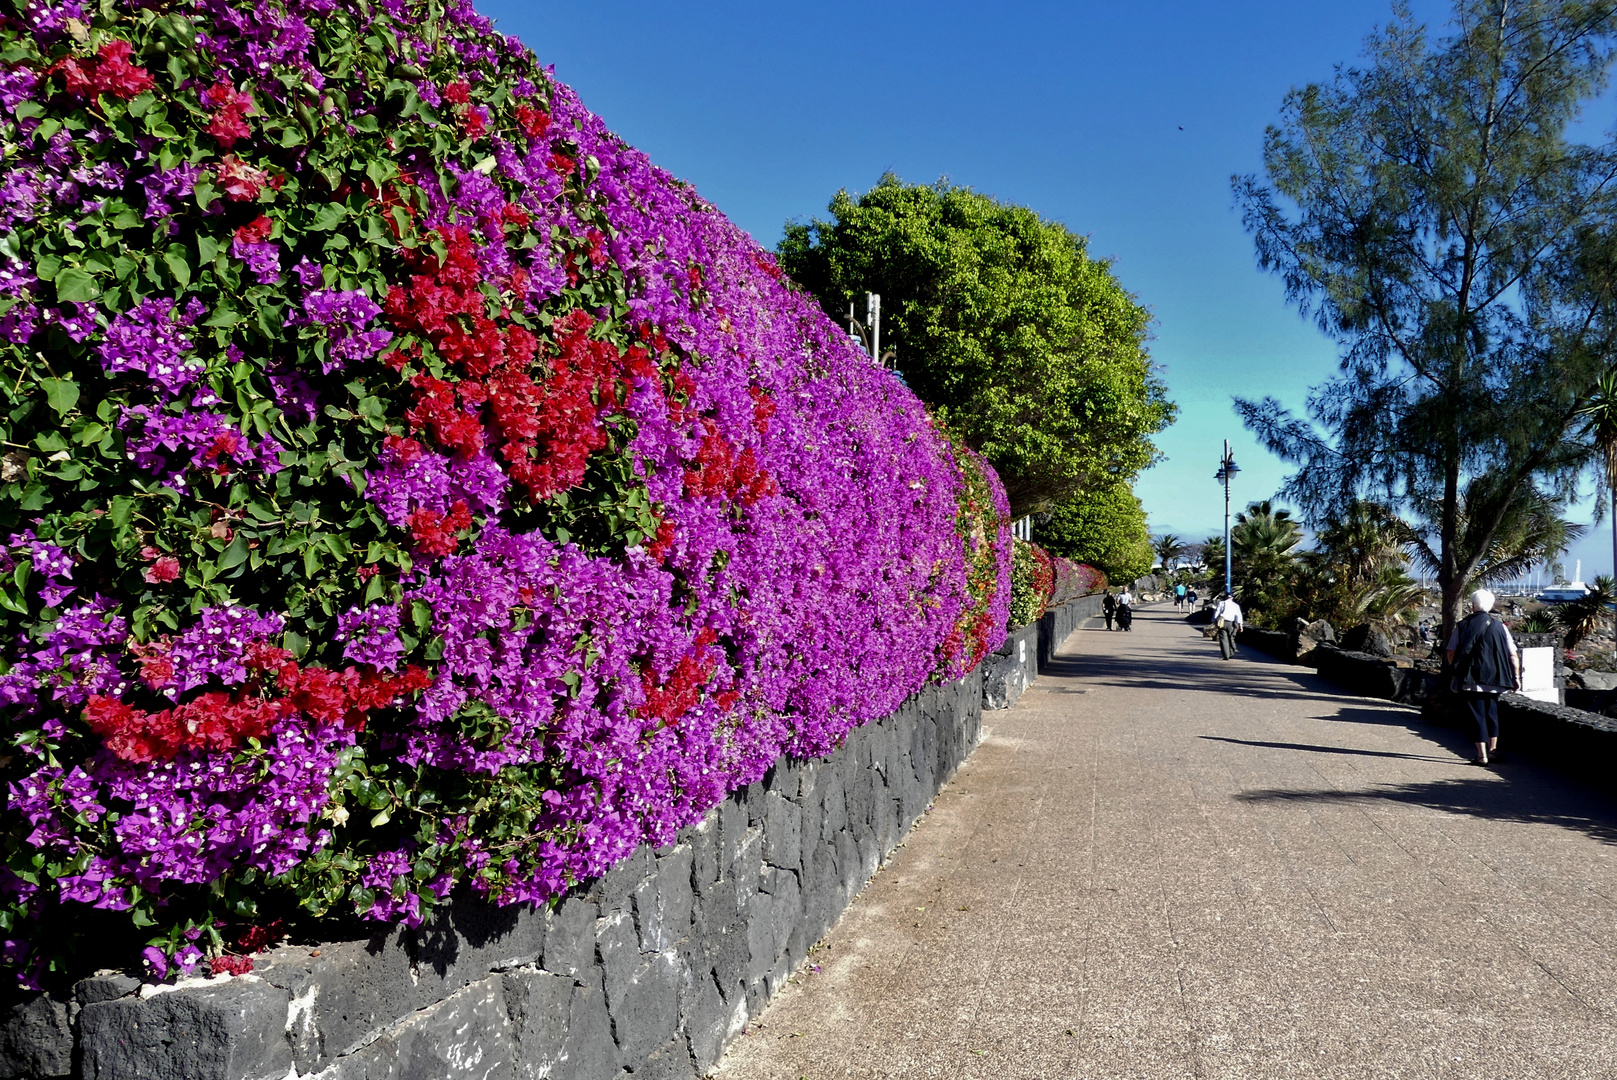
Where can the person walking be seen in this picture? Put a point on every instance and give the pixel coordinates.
(1179, 597)
(1227, 621)
(1108, 607)
(1486, 664)
(1191, 598)
(1125, 610)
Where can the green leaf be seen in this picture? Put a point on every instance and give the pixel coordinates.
(223, 315)
(235, 554)
(62, 394)
(178, 264)
(328, 217)
(74, 285)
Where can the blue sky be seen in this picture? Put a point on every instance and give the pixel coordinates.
(1125, 121)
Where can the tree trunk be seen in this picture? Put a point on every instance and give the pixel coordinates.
(1449, 579)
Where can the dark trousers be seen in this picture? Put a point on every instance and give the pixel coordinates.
(1483, 711)
(1108, 615)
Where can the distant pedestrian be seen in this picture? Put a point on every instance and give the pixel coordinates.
(1191, 598)
(1486, 664)
(1227, 621)
(1108, 608)
(1125, 609)
(1179, 597)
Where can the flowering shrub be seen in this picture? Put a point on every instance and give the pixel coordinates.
(1073, 580)
(409, 487)
(1032, 583)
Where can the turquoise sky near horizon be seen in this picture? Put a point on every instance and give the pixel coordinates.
(1123, 121)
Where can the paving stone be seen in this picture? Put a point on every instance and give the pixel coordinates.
(233, 1029)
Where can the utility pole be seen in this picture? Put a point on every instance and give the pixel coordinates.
(868, 333)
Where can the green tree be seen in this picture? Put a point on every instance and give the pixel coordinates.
(1213, 559)
(1023, 345)
(1429, 211)
(1105, 529)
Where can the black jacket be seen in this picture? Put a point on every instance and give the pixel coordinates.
(1482, 653)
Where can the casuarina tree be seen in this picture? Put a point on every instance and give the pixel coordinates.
(1002, 323)
(1430, 211)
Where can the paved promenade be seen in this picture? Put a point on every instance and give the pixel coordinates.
(1163, 865)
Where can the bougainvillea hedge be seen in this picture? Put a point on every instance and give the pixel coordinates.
(1073, 580)
(409, 487)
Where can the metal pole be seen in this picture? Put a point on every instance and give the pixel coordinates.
(1229, 555)
(873, 314)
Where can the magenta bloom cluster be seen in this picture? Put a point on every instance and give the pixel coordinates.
(432, 492)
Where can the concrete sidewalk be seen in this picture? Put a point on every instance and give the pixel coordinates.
(1163, 865)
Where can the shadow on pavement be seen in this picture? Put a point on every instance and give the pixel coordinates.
(1310, 748)
(1537, 801)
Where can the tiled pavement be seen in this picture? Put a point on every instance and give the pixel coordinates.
(1163, 865)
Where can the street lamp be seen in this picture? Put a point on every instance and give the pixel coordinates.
(1227, 468)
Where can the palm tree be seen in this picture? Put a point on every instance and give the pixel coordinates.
(1213, 556)
(1530, 531)
(1265, 542)
(1169, 549)
(1600, 426)
(1365, 542)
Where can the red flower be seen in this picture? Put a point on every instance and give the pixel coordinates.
(115, 76)
(166, 568)
(458, 93)
(534, 121)
(228, 124)
(256, 231)
(240, 181)
(434, 533)
(235, 965)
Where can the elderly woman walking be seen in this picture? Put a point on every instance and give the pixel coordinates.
(1485, 662)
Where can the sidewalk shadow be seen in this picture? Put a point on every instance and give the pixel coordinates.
(1535, 800)
(1313, 749)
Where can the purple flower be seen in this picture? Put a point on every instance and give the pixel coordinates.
(263, 259)
(371, 636)
(164, 187)
(150, 339)
(343, 314)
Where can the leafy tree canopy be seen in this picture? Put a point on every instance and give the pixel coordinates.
(1104, 528)
(1428, 209)
(1023, 345)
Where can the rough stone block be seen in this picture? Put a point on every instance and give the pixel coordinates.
(36, 1040)
(720, 927)
(234, 1029)
(471, 938)
(104, 986)
(341, 997)
(644, 1005)
(466, 1036)
(670, 1062)
(614, 888)
(668, 918)
(708, 1023)
(704, 842)
(783, 833)
(560, 1027)
(570, 940)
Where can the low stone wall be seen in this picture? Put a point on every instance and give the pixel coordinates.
(1058, 623)
(1011, 668)
(1575, 741)
(648, 971)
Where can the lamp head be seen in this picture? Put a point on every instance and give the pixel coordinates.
(1231, 467)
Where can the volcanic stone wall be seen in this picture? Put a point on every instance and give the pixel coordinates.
(649, 971)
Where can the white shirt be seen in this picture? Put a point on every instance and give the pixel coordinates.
(1230, 610)
(1124, 599)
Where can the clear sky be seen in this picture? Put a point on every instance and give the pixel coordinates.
(1125, 121)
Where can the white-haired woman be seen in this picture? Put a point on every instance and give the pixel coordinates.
(1486, 664)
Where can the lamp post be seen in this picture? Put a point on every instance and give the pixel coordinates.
(1227, 468)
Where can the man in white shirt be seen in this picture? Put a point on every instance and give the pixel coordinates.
(1229, 621)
